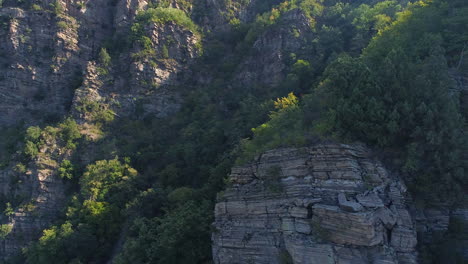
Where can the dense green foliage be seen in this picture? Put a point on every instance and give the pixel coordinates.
(162, 15)
(172, 239)
(283, 129)
(403, 106)
(66, 170)
(215, 118)
(373, 71)
(66, 132)
(97, 112)
(311, 8)
(159, 15)
(395, 96)
(93, 219)
(5, 230)
(104, 57)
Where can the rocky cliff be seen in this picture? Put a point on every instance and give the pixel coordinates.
(46, 48)
(50, 68)
(329, 203)
(100, 63)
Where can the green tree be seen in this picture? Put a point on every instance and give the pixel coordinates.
(397, 96)
(66, 170)
(9, 210)
(69, 132)
(285, 128)
(33, 133)
(105, 176)
(30, 149)
(181, 236)
(93, 219)
(104, 57)
(5, 230)
(52, 246)
(165, 52)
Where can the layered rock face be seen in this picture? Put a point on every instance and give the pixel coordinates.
(49, 69)
(46, 53)
(45, 50)
(330, 203)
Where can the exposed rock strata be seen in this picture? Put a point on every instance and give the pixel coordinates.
(44, 53)
(329, 203)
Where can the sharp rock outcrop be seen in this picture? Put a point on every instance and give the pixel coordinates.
(330, 203)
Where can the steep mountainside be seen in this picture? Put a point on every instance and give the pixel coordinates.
(122, 119)
(53, 67)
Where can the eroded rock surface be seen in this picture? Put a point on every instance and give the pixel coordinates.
(267, 63)
(330, 203)
(50, 69)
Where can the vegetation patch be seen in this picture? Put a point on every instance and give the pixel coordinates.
(283, 129)
(163, 15)
(5, 229)
(159, 15)
(66, 170)
(95, 111)
(66, 132)
(393, 97)
(104, 61)
(93, 220)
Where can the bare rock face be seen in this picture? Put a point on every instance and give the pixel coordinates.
(44, 51)
(153, 79)
(267, 64)
(143, 84)
(330, 203)
(42, 193)
(24, 82)
(127, 10)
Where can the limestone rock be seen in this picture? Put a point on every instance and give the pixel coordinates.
(303, 216)
(403, 240)
(299, 212)
(346, 228)
(370, 199)
(348, 205)
(387, 217)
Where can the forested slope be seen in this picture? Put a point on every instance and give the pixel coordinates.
(121, 120)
